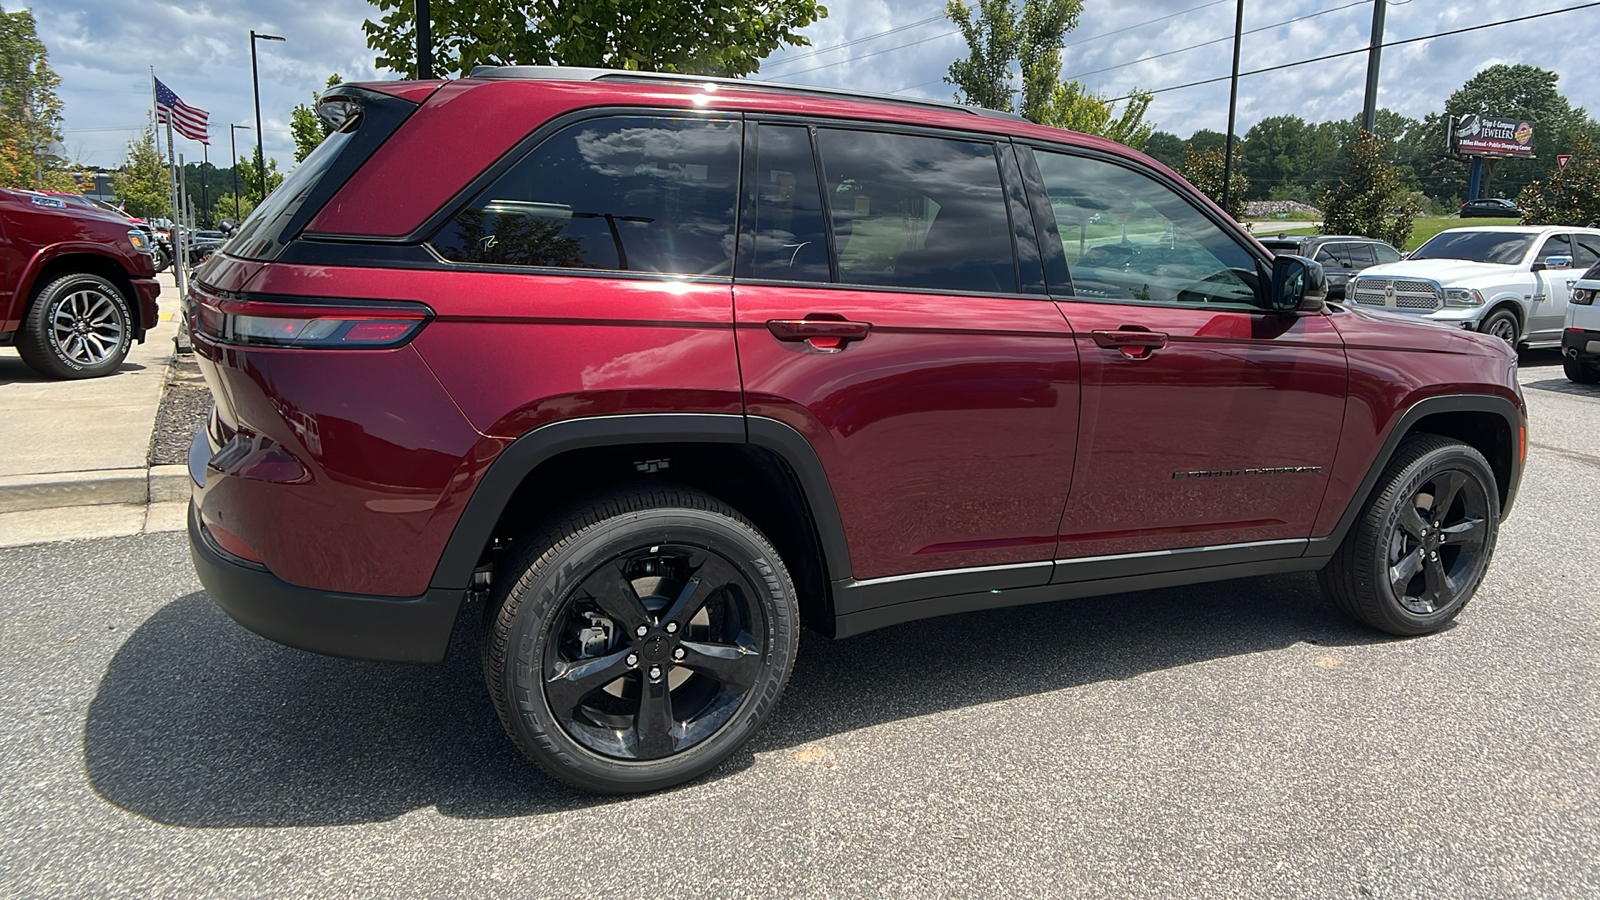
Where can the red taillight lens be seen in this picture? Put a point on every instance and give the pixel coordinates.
(302, 325)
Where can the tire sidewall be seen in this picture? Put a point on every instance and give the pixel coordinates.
(534, 624)
(1516, 329)
(1410, 481)
(42, 337)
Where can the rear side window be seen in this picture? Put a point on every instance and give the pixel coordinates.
(790, 240)
(1587, 250)
(1360, 256)
(917, 212)
(623, 193)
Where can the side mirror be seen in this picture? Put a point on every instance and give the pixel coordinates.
(1298, 285)
(1558, 262)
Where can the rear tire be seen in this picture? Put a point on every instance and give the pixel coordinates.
(1579, 372)
(1420, 549)
(600, 705)
(78, 326)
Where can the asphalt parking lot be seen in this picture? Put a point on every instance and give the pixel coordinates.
(1231, 740)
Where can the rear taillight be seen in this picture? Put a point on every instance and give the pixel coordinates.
(310, 325)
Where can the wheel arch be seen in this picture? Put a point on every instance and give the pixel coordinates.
(1491, 424)
(45, 269)
(761, 467)
(1511, 302)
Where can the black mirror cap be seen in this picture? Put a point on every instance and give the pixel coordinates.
(1298, 285)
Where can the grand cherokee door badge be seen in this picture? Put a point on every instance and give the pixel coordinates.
(1265, 470)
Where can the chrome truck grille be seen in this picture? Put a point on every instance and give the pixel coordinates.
(1398, 294)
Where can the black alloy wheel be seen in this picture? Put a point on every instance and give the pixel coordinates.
(639, 639)
(1422, 546)
(78, 326)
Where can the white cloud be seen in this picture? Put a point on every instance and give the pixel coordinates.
(104, 51)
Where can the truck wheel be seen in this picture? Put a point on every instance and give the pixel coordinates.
(78, 326)
(161, 258)
(1503, 325)
(639, 639)
(1578, 371)
(1419, 550)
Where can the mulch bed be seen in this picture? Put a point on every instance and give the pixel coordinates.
(182, 413)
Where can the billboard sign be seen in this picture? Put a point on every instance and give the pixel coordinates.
(1476, 135)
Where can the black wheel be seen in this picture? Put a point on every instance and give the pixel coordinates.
(1578, 371)
(161, 258)
(1503, 325)
(640, 639)
(1422, 546)
(78, 326)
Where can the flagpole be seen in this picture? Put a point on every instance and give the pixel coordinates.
(179, 275)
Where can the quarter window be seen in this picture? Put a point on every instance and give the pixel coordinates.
(625, 193)
(1130, 238)
(790, 241)
(917, 212)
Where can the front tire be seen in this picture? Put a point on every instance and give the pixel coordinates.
(78, 326)
(639, 639)
(1578, 371)
(1420, 549)
(1503, 325)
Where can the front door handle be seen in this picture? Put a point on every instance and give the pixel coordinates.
(1132, 341)
(824, 331)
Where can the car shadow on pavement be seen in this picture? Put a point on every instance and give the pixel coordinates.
(14, 371)
(199, 723)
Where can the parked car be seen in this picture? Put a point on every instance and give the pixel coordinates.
(1490, 208)
(203, 243)
(695, 361)
(1341, 255)
(1580, 338)
(77, 287)
(1511, 281)
(160, 244)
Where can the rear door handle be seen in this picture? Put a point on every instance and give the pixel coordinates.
(829, 334)
(1132, 341)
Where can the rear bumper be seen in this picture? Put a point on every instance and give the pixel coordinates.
(148, 290)
(389, 629)
(1580, 343)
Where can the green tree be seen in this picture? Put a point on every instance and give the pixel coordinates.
(307, 127)
(250, 179)
(1570, 196)
(999, 34)
(1075, 107)
(1371, 199)
(1205, 170)
(708, 37)
(30, 111)
(1273, 154)
(1166, 148)
(141, 183)
(227, 206)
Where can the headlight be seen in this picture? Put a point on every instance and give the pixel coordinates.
(139, 242)
(1462, 297)
(1583, 296)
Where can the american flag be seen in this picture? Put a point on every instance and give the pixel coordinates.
(189, 120)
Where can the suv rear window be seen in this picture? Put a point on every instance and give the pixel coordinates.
(624, 193)
(258, 237)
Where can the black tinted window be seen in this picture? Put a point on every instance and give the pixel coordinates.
(1588, 250)
(917, 212)
(628, 193)
(1360, 256)
(1386, 253)
(1129, 237)
(1554, 245)
(789, 240)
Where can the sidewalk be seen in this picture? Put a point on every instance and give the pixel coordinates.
(74, 454)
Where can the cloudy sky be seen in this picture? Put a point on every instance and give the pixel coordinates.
(103, 51)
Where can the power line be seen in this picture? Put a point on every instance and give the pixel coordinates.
(841, 62)
(861, 40)
(1386, 45)
(1148, 22)
(1220, 40)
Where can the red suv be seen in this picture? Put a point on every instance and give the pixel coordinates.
(77, 286)
(665, 367)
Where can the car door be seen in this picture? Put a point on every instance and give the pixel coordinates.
(1207, 421)
(880, 315)
(1552, 288)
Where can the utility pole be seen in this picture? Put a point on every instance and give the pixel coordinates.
(1369, 111)
(1233, 108)
(424, 40)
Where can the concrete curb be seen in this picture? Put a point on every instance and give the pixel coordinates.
(103, 487)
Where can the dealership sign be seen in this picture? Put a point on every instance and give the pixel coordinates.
(1475, 135)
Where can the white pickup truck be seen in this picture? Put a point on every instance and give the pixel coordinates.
(1511, 281)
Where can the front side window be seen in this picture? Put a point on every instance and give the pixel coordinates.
(917, 212)
(1131, 238)
(1555, 245)
(1386, 253)
(624, 193)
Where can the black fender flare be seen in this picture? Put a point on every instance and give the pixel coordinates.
(1428, 406)
(527, 453)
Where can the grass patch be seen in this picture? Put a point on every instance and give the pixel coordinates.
(1428, 226)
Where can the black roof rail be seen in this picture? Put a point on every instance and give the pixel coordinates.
(578, 73)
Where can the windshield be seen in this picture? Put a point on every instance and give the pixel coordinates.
(1505, 247)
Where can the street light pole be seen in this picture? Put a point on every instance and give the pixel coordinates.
(234, 146)
(255, 82)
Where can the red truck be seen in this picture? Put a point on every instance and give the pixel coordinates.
(77, 287)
